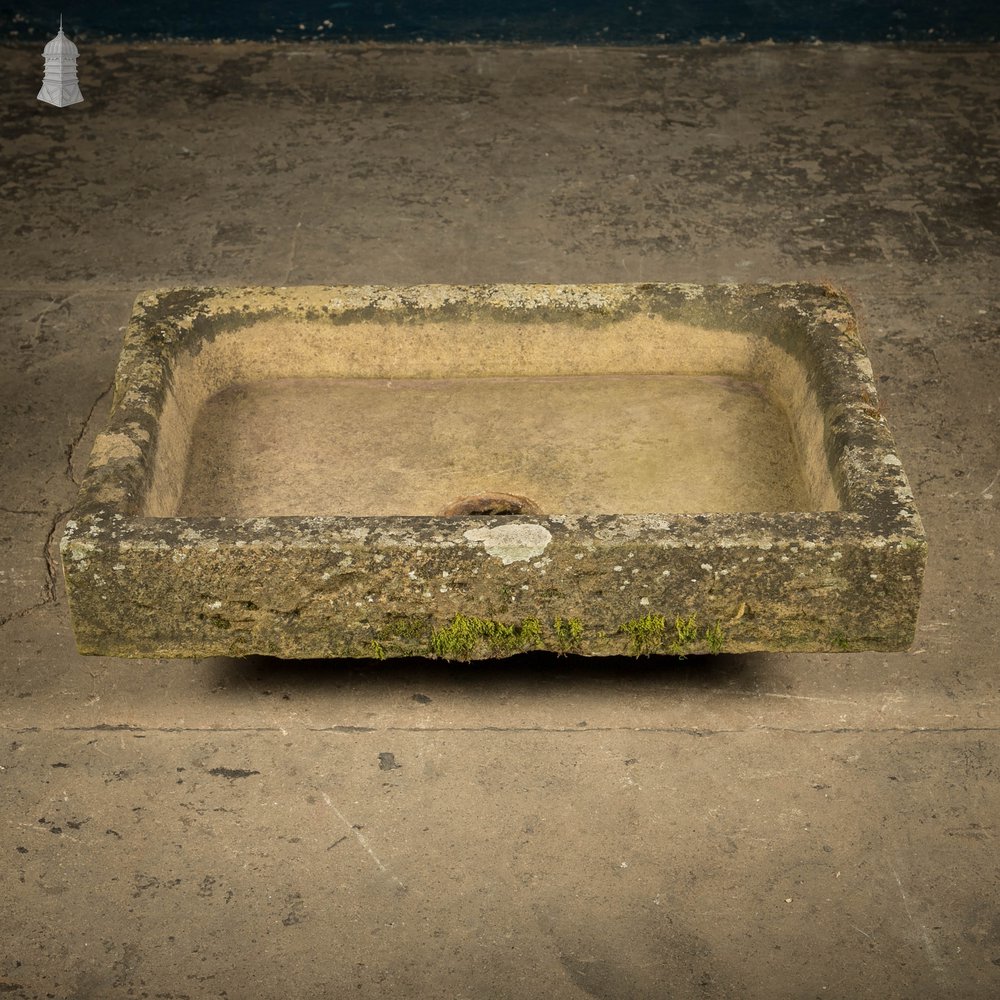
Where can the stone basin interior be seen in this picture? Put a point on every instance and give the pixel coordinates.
(645, 415)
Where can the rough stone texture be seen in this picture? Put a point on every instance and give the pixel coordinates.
(403, 586)
(566, 828)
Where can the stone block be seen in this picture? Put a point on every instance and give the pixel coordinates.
(474, 471)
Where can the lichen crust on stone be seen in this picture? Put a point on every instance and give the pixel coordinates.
(143, 581)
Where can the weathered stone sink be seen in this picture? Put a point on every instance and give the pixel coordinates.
(692, 468)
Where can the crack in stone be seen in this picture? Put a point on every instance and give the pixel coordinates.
(22, 612)
(51, 570)
(75, 443)
(52, 564)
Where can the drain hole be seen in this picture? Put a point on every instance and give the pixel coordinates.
(490, 503)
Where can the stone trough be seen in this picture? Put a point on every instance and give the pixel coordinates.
(471, 472)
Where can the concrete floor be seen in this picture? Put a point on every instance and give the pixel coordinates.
(759, 826)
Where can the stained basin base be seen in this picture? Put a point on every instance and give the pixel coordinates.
(706, 468)
(574, 444)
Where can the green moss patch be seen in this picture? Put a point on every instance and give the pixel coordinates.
(646, 633)
(568, 632)
(652, 634)
(465, 634)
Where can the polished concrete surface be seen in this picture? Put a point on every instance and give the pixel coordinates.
(769, 826)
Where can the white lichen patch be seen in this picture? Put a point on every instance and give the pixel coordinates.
(81, 550)
(512, 542)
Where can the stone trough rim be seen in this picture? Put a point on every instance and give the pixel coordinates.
(878, 511)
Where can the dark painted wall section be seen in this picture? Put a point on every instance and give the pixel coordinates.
(553, 21)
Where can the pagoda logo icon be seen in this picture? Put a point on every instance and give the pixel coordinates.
(60, 86)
